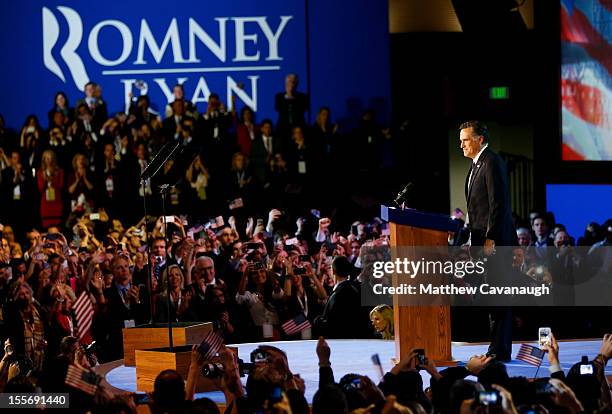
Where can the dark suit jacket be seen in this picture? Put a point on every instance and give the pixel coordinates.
(488, 201)
(259, 157)
(343, 316)
(109, 327)
(290, 111)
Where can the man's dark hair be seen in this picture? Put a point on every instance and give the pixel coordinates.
(159, 238)
(478, 127)
(494, 372)
(329, 400)
(204, 406)
(213, 95)
(461, 390)
(169, 389)
(267, 121)
(342, 267)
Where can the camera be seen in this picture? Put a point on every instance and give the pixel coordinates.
(490, 398)
(299, 271)
(245, 368)
(259, 356)
(256, 266)
(141, 399)
(586, 368)
(304, 258)
(420, 356)
(91, 348)
(544, 336)
(213, 370)
(543, 388)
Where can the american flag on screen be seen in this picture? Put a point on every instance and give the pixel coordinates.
(210, 345)
(295, 325)
(82, 379)
(586, 79)
(530, 354)
(84, 312)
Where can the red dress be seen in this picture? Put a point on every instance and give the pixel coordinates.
(243, 138)
(51, 205)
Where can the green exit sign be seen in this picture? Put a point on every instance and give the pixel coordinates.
(499, 92)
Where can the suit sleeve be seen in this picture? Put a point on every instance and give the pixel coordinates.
(495, 181)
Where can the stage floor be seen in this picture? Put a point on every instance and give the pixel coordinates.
(348, 356)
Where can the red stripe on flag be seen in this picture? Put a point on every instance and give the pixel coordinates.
(84, 312)
(569, 154)
(583, 101)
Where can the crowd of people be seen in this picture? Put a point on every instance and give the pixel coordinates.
(241, 244)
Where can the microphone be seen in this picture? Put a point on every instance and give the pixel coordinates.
(401, 196)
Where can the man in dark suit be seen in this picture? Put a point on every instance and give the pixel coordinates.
(264, 147)
(490, 220)
(343, 316)
(127, 305)
(291, 106)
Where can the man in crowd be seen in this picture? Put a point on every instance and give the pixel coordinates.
(126, 306)
(340, 318)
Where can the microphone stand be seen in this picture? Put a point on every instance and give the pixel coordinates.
(145, 175)
(163, 190)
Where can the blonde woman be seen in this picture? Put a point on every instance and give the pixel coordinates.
(179, 297)
(382, 321)
(50, 180)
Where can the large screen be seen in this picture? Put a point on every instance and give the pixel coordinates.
(586, 82)
(235, 47)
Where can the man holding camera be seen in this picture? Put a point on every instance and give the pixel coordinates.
(490, 220)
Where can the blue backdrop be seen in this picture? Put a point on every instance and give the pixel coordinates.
(576, 205)
(240, 46)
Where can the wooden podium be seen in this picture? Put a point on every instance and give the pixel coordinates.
(427, 327)
(156, 336)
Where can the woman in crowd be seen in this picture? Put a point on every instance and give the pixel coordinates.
(260, 293)
(304, 293)
(218, 312)
(197, 176)
(382, 321)
(50, 180)
(179, 298)
(31, 130)
(62, 108)
(80, 184)
(246, 130)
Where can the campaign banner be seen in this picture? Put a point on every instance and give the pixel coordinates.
(240, 47)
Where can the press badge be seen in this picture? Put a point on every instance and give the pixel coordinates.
(110, 187)
(50, 194)
(268, 330)
(302, 167)
(17, 192)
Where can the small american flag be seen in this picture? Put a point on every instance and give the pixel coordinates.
(530, 354)
(84, 311)
(210, 345)
(295, 325)
(82, 379)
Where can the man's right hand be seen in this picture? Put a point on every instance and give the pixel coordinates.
(552, 350)
(323, 351)
(606, 347)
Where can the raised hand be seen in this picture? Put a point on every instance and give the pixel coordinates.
(323, 351)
